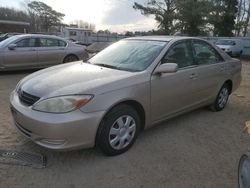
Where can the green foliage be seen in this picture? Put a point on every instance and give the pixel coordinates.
(223, 17)
(44, 15)
(192, 17)
(164, 13)
(13, 14)
(42, 18)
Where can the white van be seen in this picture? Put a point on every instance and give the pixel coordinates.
(233, 47)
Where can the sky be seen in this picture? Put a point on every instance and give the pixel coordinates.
(114, 15)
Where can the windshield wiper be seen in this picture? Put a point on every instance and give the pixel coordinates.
(107, 66)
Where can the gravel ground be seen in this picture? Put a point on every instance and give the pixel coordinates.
(198, 149)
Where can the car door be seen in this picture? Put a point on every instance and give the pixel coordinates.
(23, 55)
(211, 71)
(173, 92)
(50, 51)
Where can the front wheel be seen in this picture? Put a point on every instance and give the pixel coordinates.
(221, 99)
(118, 130)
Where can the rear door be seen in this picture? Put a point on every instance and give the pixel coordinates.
(173, 92)
(211, 71)
(50, 51)
(23, 56)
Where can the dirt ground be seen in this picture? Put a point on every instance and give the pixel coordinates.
(198, 149)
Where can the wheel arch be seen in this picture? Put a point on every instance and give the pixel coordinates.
(134, 104)
(230, 84)
(70, 54)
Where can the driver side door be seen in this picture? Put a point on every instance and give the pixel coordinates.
(173, 92)
(23, 55)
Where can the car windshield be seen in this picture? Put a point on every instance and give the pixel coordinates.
(129, 55)
(225, 42)
(7, 41)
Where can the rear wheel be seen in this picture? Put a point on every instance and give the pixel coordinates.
(70, 58)
(118, 130)
(221, 99)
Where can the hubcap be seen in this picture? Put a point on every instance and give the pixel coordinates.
(223, 97)
(122, 132)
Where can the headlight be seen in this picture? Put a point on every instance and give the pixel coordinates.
(62, 104)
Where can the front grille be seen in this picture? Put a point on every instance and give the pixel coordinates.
(27, 98)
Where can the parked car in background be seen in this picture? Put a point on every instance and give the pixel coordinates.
(233, 47)
(7, 35)
(96, 47)
(127, 87)
(30, 51)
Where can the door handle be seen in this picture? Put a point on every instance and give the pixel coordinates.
(32, 49)
(193, 76)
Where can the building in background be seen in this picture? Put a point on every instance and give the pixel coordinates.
(88, 36)
(7, 26)
(77, 34)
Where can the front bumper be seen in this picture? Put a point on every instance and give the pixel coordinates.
(65, 131)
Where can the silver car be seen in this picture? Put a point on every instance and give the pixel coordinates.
(126, 88)
(29, 51)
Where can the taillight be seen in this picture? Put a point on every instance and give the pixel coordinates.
(88, 51)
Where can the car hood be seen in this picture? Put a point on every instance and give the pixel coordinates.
(224, 46)
(76, 78)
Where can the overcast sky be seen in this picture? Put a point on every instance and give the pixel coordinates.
(115, 15)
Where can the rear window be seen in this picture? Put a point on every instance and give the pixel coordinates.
(48, 42)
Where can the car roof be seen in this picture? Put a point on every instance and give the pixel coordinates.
(39, 35)
(161, 38)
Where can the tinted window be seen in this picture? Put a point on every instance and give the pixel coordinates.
(46, 42)
(61, 43)
(180, 54)
(72, 33)
(205, 53)
(29, 42)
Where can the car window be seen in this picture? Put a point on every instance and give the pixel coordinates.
(24, 43)
(205, 53)
(61, 43)
(180, 54)
(46, 42)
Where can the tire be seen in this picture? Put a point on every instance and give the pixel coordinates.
(115, 136)
(221, 99)
(70, 58)
(244, 171)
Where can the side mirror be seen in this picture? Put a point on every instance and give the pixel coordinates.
(12, 46)
(167, 68)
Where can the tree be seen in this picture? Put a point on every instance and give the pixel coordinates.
(223, 17)
(13, 14)
(187, 16)
(246, 23)
(164, 12)
(44, 16)
(192, 16)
